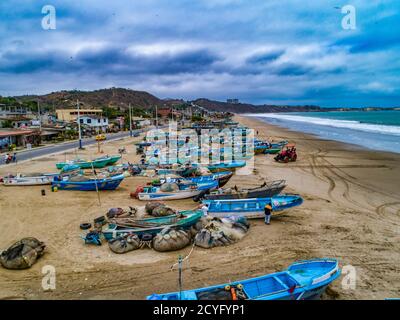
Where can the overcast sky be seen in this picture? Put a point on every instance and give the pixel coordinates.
(284, 52)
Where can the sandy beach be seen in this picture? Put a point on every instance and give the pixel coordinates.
(351, 212)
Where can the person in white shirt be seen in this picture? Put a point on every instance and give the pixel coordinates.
(204, 208)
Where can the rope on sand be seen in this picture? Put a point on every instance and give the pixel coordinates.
(184, 259)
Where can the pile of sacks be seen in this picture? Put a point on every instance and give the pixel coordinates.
(22, 254)
(221, 231)
(206, 233)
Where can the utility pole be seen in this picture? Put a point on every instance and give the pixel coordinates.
(79, 125)
(130, 121)
(156, 117)
(40, 119)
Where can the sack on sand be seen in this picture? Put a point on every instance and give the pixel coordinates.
(124, 244)
(22, 254)
(169, 240)
(150, 206)
(220, 232)
(162, 211)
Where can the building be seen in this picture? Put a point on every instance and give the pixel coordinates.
(164, 112)
(19, 138)
(98, 123)
(13, 111)
(69, 115)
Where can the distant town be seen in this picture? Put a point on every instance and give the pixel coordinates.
(30, 121)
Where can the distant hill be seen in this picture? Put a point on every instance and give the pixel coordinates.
(119, 99)
(113, 97)
(250, 108)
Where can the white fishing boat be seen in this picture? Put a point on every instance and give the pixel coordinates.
(34, 179)
(181, 191)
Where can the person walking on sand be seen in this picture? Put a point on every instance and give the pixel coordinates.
(267, 211)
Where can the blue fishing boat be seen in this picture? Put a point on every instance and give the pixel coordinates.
(223, 166)
(251, 208)
(222, 177)
(81, 183)
(303, 280)
(174, 191)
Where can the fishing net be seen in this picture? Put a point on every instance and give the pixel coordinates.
(124, 244)
(221, 232)
(169, 187)
(22, 254)
(169, 240)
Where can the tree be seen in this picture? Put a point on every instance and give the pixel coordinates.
(7, 124)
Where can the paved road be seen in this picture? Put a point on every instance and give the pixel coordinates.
(39, 152)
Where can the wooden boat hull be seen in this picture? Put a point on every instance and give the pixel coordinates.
(29, 181)
(93, 185)
(86, 164)
(303, 280)
(191, 218)
(157, 194)
(224, 166)
(270, 190)
(168, 195)
(251, 208)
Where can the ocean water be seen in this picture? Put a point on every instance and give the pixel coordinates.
(376, 130)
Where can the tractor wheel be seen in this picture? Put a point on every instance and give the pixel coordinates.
(286, 159)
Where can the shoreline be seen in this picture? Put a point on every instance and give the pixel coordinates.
(314, 136)
(351, 212)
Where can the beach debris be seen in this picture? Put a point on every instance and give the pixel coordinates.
(119, 212)
(170, 240)
(125, 243)
(85, 226)
(93, 237)
(22, 254)
(221, 232)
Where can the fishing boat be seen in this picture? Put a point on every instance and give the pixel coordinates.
(82, 183)
(180, 191)
(95, 163)
(253, 207)
(268, 189)
(223, 166)
(184, 220)
(110, 159)
(303, 280)
(222, 177)
(33, 179)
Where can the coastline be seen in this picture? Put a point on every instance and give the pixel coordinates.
(351, 212)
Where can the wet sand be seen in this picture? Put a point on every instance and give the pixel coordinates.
(351, 212)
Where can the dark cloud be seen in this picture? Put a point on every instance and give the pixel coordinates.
(264, 58)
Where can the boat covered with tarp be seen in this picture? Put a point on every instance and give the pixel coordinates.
(126, 226)
(174, 191)
(267, 189)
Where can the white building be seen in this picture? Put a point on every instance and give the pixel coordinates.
(96, 122)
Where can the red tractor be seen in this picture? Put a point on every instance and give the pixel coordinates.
(289, 154)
